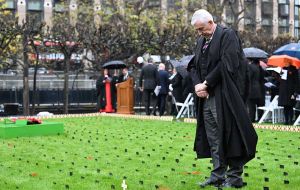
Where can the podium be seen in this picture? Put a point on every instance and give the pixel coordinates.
(125, 99)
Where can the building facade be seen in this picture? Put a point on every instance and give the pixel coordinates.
(272, 16)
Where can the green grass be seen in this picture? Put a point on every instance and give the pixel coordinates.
(99, 152)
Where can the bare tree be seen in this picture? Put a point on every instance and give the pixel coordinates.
(66, 40)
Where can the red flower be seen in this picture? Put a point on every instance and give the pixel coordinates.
(33, 120)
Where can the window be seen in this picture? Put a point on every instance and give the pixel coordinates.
(283, 30)
(297, 10)
(283, 22)
(267, 9)
(282, 1)
(297, 32)
(35, 5)
(284, 10)
(266, 22)
(10, 4)
(59, 6)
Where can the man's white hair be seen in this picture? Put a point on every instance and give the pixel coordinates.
(161, 66)
(201, 15)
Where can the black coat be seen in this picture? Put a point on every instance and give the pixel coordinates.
(101, 92)
(288, 87)
(257, 83)
(164, 81)
(176, 82)
(149, 77)
(237, 136)
(121, 78)
(188, 87)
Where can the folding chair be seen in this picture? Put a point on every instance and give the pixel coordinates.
(186, 107)
(297, 122)
(272, 109)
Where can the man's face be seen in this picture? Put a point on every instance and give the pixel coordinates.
(204, 29)
(124, 71)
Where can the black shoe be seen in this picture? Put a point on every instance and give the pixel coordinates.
(229, 185)
(210, 182)
(154, 113)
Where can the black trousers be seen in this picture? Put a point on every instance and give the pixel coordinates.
(161, 104)
(288, 115)
(221, 170)
(148, 93)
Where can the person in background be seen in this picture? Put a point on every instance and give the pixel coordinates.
(124, 76)
(288, 90)
(257, 93)
(148, 81)
(105, 92)
(187, 84)
(176, 90)
(224, 130)
(163, 77)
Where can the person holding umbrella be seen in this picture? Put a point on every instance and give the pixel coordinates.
(257, 92)
(105, 92)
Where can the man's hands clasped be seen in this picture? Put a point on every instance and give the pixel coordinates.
(201, 90)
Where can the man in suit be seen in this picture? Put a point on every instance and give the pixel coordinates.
(163, 77)
(124, 76)
(148, 82)
(224, 130)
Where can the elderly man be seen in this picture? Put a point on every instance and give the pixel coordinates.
(224, 130)
(163, 77)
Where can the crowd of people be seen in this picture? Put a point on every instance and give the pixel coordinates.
(160, 88)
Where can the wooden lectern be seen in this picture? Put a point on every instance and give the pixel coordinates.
(125, 99)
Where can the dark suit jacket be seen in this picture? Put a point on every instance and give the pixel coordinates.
(149, 77)
(164, 81)
(121, 78)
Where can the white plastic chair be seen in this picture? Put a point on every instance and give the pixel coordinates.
(297, 122)
(272, 109)
(186, 107)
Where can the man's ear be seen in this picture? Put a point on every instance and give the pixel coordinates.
(210, 22)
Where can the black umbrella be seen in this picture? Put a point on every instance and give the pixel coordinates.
(182, 71)
(255, 53)
(114, 65)
(175, 63)
(184, 61)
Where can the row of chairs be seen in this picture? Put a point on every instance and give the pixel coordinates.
(272, 111)
(275, 112)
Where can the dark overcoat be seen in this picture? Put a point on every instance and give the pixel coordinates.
(289, 87)
(237, 136)
(149, 77)
(176, 82)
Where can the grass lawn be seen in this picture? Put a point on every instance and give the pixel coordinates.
(99, 152)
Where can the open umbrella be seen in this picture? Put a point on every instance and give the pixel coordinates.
(255, 53)
(114, 65)
(283, 61)
(184, 61)
(182, 71)
(292, 49)
(175, 63)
